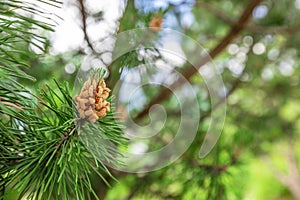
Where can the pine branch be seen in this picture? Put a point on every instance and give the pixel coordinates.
(46, 150)
(18, 31)
(51, 150)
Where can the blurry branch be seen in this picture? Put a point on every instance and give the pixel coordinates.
(131, 194)
(217, 12)
(86, 36)
(84, 25)
(251, 27)
(292, 178)
(218, 168)
(189, 71)
(234, 85)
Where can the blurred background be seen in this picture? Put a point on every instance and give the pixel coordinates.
(255, 47)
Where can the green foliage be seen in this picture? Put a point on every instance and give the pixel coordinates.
(17, 32)
(47, 152)
(262, 111)
(44, 145)
(43, 155)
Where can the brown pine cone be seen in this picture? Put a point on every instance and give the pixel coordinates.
(91, 101)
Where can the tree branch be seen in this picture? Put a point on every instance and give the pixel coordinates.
(84, 25)
(251, 27)
(190, 71)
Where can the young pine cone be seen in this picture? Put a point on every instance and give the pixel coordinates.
(155, 24)
(91, 102)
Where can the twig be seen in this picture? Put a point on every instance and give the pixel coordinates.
(84, 25)
(11, 105)
(189, 71)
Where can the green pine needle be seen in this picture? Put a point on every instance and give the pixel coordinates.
(49, 156)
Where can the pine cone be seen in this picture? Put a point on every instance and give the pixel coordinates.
(91, 102)
(155, 24)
